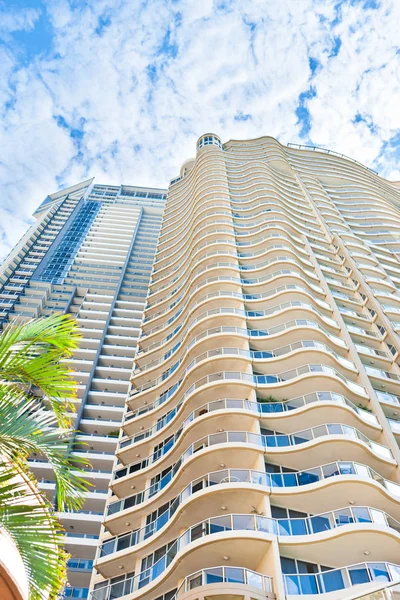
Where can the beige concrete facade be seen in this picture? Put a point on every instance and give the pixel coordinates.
(258, 456)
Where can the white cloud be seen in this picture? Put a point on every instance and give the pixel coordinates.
(142, 80)
(17, 20)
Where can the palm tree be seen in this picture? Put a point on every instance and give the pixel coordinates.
(36, 392)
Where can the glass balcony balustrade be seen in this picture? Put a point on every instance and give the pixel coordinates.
(218, 265)
(340, 579)
(214, 242)
(280, 440)
(387, 398)
(316, 524)
(269, 481)
(179, 270)
(252, 379)
(205, 283)
(248, 354)
(238, 330)
(259, 408)
(298, 584)
(162, 255)
(235, 575)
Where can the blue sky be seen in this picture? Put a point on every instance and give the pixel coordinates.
(121, 89)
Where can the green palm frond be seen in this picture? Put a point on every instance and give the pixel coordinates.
(60, 331)
(36, 388)
(27, 428)
(29, 520)
(33, 354)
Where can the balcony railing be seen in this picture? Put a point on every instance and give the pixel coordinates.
(205, 283)
(327, 151)
(251, 355)
(251, 379)
(292, 527)
(340, 579)
(269, 481)
(280, 440)
(239, 330)
(259, 408)
(235, 575)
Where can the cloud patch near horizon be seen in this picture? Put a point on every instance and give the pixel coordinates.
(121, 90)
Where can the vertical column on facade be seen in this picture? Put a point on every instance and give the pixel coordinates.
(261, 258)
(387, 438)
(331, 227)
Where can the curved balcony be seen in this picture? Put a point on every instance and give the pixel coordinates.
(288, 288)
(260, 409)
(232, 578)
(315, 526)
(216, 242)
(281, 381)
(283, 206)
(305, 306)
(189, 232)
(193, 289)
(298, 372)
(281, 273)
(295, 221)
(296, 240)
(306, 273)
(385, 591)
(260, 358)
(189, 306)
(245, 194)
(335, 580)
(289, 274)
(204, 284)
(189, 262)
(274, 484)
(273, 444)
(267, 223)
(176, 255)
(269, 313)
(300, 323)
(231, 333)
(295, 243)
(220, 310)
(189, 326)
(278, 259)
(194, 235)
(270, 250)
(255, 335)
(208, 207)
(206, 229)
(294, 290)
(193, 276)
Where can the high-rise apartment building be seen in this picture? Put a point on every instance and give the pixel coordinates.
(259, 455)
(90, 253)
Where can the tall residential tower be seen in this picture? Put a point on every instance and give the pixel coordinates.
(90, 253)
(258, 457)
